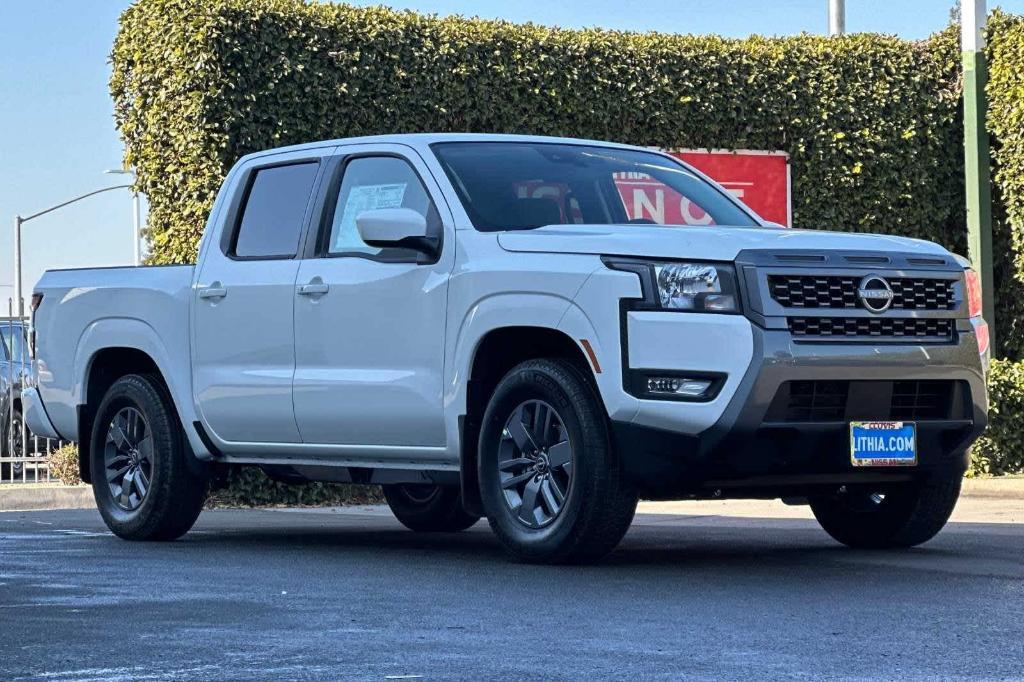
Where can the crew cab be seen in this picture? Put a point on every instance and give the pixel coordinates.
(515, 327)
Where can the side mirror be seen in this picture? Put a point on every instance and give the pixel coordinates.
(396, 227)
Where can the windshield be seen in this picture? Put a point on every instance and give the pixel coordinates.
(523, 185)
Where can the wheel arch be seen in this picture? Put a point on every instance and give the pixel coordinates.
(494, 355)
(501, 349)
(100, 363)
(106, 366)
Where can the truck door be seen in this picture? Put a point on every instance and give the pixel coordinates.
(370, 322)
(243, 345)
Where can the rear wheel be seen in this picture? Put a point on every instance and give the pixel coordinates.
(904, 516)
(550, 479)
(428, 508)
(142, 483)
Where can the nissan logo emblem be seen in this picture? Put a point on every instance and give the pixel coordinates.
(875, 294)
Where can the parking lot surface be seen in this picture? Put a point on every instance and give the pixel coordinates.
(696, 590)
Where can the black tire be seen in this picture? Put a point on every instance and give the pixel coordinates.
(427, 508)
(12, 471)
(904, 516)
(174, 495)
(597, 506)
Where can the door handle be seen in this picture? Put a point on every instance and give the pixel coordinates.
(214, 292)
(314, 288)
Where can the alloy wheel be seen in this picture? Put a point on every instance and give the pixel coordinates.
(535, 463)
(128, 458)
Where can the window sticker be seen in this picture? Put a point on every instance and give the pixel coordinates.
(360, 199)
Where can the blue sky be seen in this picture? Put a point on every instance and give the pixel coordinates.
(57, 132)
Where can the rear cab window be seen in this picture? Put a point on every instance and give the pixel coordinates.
(270, 225)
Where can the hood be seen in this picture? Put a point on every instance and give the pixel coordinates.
(705, 243)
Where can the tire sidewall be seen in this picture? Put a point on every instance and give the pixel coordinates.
(910, 515)
(534, 382)
(131, 391)
(399, 495)
(441, 511)
(14, 468)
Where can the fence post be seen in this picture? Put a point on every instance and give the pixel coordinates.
(10, 394)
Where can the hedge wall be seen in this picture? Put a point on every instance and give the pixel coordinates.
(1001, 449)
(866, 118)
(250, 487)
(1006, 123)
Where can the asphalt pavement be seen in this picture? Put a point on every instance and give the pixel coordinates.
(696, 590)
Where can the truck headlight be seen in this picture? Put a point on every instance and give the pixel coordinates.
(692, 286)
(684, 286)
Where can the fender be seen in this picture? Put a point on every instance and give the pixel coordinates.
(139, 335)
(579, 326)
(516, 309)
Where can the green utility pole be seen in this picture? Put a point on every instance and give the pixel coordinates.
(977, 174)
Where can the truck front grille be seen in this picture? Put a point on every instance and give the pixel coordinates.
(840, 291)
(931, 329)
(828, 401)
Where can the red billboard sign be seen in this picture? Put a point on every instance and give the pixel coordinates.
(759, 179)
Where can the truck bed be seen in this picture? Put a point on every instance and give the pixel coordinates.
(84, 309)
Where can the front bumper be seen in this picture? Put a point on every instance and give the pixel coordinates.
(748, 452)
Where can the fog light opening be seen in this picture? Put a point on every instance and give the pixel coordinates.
(679, 386)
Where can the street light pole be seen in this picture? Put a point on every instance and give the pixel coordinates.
(17, 266)
(136, 218)
(137, 227)
(19, 221)
(977, 174)
(836, 17)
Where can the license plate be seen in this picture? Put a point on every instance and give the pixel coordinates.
(883, 444)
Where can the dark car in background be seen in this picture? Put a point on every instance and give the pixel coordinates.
(15, 364)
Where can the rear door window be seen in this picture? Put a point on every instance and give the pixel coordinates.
(271, 222)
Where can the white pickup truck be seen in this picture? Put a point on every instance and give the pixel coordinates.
(504, 326)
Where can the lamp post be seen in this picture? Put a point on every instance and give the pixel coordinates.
(136, 218)
(836, 17)
(977, 175)
(21, 220)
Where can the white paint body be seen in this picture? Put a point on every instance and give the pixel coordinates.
(373, 372)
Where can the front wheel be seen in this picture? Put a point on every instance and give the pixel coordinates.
(550, 479)
(428, 508)
(902, 516)
(141, 480)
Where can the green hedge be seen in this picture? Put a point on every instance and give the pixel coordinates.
(250, 487)
(867, 119)
(1006, 124)
(1001, 449)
